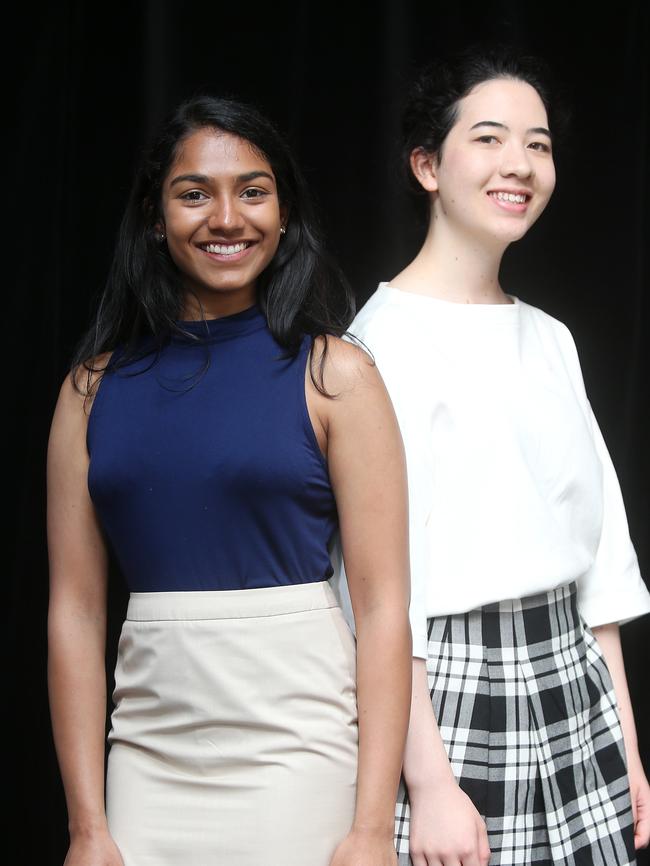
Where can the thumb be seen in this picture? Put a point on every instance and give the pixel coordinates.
(641, 825)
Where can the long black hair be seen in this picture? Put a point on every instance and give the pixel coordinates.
(301, 292)
(433, 99)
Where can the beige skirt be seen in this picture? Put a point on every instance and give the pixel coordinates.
(234, 733)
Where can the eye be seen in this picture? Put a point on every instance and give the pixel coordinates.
(193, 195)
(487, 139)
(254, 192)
(540, 146)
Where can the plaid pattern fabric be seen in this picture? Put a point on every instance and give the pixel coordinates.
(526, 709)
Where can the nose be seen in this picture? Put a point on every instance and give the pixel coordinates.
(515, 161)
(225, 214)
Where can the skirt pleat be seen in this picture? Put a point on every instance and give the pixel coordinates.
(527, 712)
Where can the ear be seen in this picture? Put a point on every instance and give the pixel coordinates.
(423, 166)
(284, 214)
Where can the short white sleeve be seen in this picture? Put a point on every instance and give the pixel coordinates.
(612, 590)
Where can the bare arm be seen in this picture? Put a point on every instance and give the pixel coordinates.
(445, 826)
(77, 635)
(425, 758)
(609, 639)
(367, 470)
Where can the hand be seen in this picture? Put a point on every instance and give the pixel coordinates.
(640, 793)
(365, 848)
(445, 828)
(95, 850)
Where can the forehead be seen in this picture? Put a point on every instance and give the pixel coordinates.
(503, 100)
(213, 152)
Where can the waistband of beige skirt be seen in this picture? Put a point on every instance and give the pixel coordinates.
(230, 603)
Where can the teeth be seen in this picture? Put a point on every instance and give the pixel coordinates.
(225, 249)
(515, 198)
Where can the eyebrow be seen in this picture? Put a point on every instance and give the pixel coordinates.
(537, 130)
(204, 179)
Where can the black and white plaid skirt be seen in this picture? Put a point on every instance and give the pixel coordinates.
(526, 709)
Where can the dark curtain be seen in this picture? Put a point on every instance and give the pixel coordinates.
(90, 83)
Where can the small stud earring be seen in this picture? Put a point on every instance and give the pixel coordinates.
(161, 237)
(283, 230)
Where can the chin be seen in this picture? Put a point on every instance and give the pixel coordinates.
(510, 234)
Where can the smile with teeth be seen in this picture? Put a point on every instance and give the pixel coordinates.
(515, 198)
(225, 249)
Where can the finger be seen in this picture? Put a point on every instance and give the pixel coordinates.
(642, 832)
(635, 807)
(471, 856)
(418, 858)
(483, 845)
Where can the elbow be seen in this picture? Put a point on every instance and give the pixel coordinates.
(389, 621)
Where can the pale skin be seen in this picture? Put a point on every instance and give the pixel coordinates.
(358, 433)
(609, 640)
(499, 144)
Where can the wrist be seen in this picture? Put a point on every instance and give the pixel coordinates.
(384, 830)
(87, 826)
(434, 783)
(429, 777)
(633, 759)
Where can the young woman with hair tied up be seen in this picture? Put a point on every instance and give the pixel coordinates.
(213, 432)
(521, 746)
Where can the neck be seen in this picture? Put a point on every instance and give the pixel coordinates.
(217, 304)
(460, 269)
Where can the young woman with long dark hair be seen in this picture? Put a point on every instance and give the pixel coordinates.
(521, 561)
(213, 432)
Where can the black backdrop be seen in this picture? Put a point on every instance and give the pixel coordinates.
(91, 82)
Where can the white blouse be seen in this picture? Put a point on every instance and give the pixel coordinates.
(511, 488)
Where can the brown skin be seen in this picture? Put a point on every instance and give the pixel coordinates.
(77, 634)
(359, 435)
(220, 191)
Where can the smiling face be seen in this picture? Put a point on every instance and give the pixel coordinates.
(495, 173)
(222, 218)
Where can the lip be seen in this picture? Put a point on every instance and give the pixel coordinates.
(222, 257)
(515, 190)
(510, 206)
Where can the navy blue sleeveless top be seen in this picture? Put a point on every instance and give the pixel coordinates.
(205, 470)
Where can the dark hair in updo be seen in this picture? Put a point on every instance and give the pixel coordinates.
(432, 105)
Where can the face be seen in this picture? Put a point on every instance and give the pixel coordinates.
(495, 174)
(222, 218)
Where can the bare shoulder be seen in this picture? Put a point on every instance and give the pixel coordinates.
(346, 366)
(80, 385)
(84, 379)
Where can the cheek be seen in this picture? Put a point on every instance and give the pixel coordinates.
(272, 218)
(181, 223)
(546, 183)
(184, 263)
(461, 172)
(551, 181)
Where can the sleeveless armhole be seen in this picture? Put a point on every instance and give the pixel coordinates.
(305, 353)
(98, 396)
